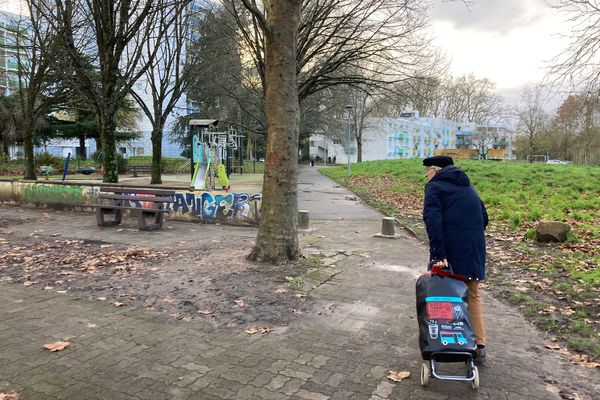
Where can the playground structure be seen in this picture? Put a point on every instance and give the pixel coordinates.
(215, 154)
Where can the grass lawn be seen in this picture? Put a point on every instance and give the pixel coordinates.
(556, 285)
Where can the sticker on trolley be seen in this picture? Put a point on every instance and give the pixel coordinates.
(444, 308)
(433, 330)
(449, 337)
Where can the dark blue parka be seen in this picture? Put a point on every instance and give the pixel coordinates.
(455, 219)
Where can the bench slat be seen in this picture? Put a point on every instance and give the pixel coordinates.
(136, 198)
(158, 192)
(109, 207)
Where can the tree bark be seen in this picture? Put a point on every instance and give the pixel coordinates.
(107, 126)
(28, 147)
(277, 239)
(157, 135)
(82, 150)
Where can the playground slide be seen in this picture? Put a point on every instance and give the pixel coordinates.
(199, 179)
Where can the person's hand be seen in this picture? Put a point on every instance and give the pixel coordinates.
(441, 263)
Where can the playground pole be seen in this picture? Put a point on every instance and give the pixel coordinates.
(66, 167)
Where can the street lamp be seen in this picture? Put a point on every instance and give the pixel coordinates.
(349, 108)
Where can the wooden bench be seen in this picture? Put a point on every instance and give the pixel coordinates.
(135, 169)
(144, 203)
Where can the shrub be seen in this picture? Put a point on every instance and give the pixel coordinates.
(45, 158)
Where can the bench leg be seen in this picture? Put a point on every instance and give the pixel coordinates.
(158, 220)
(101, 212)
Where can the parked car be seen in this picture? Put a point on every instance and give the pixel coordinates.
(557, 162)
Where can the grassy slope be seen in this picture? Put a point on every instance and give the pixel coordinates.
(557, 286)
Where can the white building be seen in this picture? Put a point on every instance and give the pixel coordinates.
(393, 138)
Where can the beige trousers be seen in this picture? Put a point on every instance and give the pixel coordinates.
(475, 309)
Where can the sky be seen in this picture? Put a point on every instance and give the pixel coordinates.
(510, 42)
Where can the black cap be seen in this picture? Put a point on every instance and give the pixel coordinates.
(438, 161)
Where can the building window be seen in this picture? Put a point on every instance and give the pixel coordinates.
(336, 141)
(312, 143)
(123, 150)
(140, 151)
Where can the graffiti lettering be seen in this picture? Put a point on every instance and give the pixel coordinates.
(233, 207)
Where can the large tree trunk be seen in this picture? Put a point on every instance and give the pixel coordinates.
(82, 150)
(277, 239)
(107, 126)
(28, 147)
(157, 135)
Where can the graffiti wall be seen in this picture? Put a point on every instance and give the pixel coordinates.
(236, 208)
(230, 208)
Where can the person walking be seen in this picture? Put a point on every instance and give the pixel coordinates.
(455, 219)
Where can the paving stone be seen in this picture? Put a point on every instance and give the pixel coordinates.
(136, 354)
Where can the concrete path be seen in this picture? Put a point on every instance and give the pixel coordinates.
(362, 325)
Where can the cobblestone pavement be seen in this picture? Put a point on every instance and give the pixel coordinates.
(362, 324)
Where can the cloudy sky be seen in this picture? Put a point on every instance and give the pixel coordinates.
(507, 41)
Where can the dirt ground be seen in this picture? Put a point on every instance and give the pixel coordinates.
(186, 281)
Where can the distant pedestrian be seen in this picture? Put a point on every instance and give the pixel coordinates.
(312, 162)
(455, 219)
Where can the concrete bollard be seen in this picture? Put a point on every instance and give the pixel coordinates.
(303, 221)
(388, 228)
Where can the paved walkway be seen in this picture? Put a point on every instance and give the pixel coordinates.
(362, 325)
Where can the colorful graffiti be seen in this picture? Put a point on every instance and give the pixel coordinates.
(232, 207)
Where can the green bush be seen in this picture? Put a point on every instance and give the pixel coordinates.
(121, 164)
(58, 163)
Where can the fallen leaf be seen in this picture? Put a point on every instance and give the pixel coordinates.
(9, 396)
(118, 304)
(91, 326)
(56, 346)
(584, 359)
(552, 346)
(61, 291)
(254, 329)
(205, 312)
(289, 278)
(281, 290)
(398, 376)
(567, 311)
(101, 298)
(569, 395)
(239, 302)
(300, 295)
(366, 255)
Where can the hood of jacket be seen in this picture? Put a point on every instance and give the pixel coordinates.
(453, 175)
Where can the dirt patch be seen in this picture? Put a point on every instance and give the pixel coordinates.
(7, 221)
(204, 282)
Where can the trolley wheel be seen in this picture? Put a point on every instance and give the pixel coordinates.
(475, 381)
(425, 373)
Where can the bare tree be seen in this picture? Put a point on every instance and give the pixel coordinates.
(577, 65)
(39, 87)
(105, 42)
(342, 42)
(167, 76)
(565, 126)
(277, 238)
(531, 116)
(471, 99)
